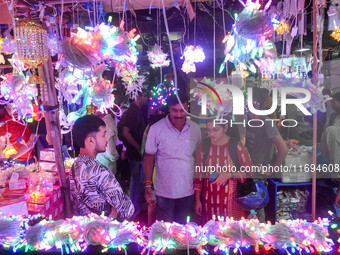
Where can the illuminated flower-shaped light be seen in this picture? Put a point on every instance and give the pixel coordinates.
(192, 54)
(134, 87)
(157, 57)
(282, 28)
(336, 34)
(250, 39)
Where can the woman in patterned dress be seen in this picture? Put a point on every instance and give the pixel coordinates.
(219, 196)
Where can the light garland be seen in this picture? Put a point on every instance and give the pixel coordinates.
(249, 44)
(192, 54)
(157, 57)
(17, 89)
(160, 93)
(76, 234)
(7, 45)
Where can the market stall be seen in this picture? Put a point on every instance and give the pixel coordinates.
(61, 60)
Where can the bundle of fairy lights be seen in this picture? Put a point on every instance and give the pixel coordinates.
(77, 233)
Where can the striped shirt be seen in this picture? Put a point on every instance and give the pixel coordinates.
(94, 188)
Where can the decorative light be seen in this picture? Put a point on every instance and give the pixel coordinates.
(336, 34)
(157, 57)
(31, 43)
(282, 28)
(192, 54)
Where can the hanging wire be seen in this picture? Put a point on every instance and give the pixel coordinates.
(214, 41)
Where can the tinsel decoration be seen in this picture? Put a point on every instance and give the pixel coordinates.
(249, 42)
(31, 42)
(134, 87)
(192, 54)
(157, 57)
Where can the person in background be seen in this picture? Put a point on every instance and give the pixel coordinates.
(133, 126)
(17, 134)
(171, 142)
(219, 194)
(93, 187)
(261, 142)
(110, 156)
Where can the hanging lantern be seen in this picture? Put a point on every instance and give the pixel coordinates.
(31, 43)
(282, 28)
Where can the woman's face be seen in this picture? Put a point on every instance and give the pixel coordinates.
(216, 132)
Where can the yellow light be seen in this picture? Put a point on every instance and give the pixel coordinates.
(9, 151)
(336, 34)
(282, 27)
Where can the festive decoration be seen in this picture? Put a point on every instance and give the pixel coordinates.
(248, 44)
(135, 87)
(165, 235)
(336, 34)
(31, 43)
(18, 90)
(282, 28)
(157, 57)
(78, 233)
(102, 96)
(317, 101)
(86, 48)
(160, 93)
(218, 97)
(192, 54)
(40, 185)
(7, 45)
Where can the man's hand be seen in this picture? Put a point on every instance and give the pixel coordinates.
(113, 214)
(148, 197)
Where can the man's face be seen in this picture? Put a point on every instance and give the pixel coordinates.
(101, 140)
(177, 114)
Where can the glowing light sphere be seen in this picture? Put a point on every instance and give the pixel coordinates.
(192, 54)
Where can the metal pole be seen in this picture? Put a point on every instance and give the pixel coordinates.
(315, 74)
(49, 99)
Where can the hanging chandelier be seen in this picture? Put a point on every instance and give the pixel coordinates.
(31, 43)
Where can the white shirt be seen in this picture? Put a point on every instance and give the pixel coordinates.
(174, 151)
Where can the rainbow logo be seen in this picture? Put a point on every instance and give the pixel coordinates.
(206, 87)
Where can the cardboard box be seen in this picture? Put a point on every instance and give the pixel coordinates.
(36, 209)
(47, 166)
(46, 202)
(57, 211)
(47, 155)
(10, 207)
(16, 183)
(55, 195)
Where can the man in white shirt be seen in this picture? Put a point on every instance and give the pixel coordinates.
(171, 143)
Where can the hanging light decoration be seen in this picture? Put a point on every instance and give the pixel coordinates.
(282, 27)
(31, 43)
(336, 34)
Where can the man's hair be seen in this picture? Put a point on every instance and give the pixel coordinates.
(336, 96)
(260, 95)
(172, 100)
(84, 126)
